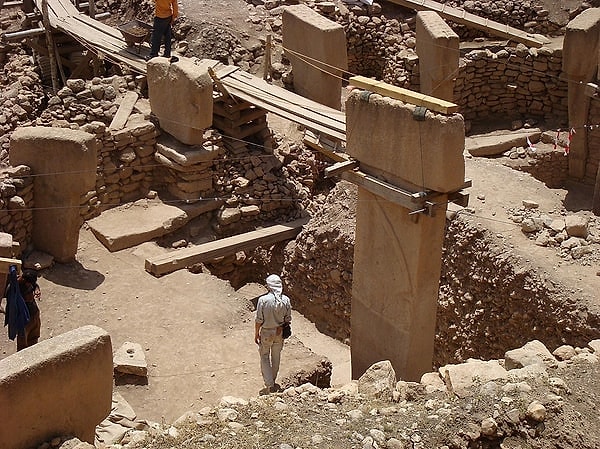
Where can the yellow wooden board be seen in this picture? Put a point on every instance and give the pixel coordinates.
(6, 262)
(408, 96)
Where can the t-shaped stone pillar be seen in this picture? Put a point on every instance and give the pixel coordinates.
(397, 256)
(437, 47)
(63, 162)
(583, 32)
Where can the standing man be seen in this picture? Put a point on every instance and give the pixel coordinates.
(164, 15)
(272, 310)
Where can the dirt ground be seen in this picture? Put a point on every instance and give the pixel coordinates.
(196, 332)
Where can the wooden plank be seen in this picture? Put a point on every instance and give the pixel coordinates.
(288, 105)
(408, 96)
(124, 111)
(387, 191)
(331, 149)
(473, 21)
(177, 260)
(243, 117)
(6, 262)
(340, 167)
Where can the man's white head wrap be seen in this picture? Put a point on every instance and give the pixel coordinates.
(275, 286)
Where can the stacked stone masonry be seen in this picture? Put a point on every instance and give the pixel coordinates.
(490, 81)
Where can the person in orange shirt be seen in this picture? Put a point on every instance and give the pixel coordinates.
(164, 15)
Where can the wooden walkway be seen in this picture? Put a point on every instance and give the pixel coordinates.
(473, 21)
(92, 34)
(282, 102)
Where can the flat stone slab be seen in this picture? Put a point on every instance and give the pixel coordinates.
(130, 359)
(494, 144)
(135, 223)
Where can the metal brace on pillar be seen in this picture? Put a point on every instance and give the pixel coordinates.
(422, 202)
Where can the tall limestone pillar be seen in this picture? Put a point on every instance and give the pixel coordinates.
(397, 255)
(437, 47)
(583, 32)
(63, 162)
(316, 47)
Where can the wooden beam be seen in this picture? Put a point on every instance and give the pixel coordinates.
(330, 148)
(267, 59)
(596, 199)
(393, 194)
(127, 103)
(179, 259)
(23, 34)
(408, 96)
(340, 167)
(5, 264)
(462, 17)
(51, 45)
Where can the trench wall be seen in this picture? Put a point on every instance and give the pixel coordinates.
(489, 298)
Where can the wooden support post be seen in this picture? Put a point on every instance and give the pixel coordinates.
(60, 66)
(50, 45)
(267, 68)
(596, 201)
(92, 9)
(219, 84)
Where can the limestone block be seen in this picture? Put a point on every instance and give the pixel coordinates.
(130, 359)
(308, 34)
(6, 244)
(582, 32)
(126, 226)
(73, 372)
(465, 375)
(576, 226)
(181, 97)
(532, 353)
(187, 155)
(67, 160)
(379, 381)
(437, 47)
(382, 133)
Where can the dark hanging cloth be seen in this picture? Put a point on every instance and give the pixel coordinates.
(17, 313)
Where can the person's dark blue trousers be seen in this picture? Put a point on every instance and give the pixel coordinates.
(162, 28)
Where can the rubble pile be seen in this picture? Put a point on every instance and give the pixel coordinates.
(575, 237)
(262, 185)
(531, 397)
(82, 101)
(21, 99)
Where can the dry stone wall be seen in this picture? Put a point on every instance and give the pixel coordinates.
(16, 203)
(125, 159)
(492, 81)
(512, 81)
